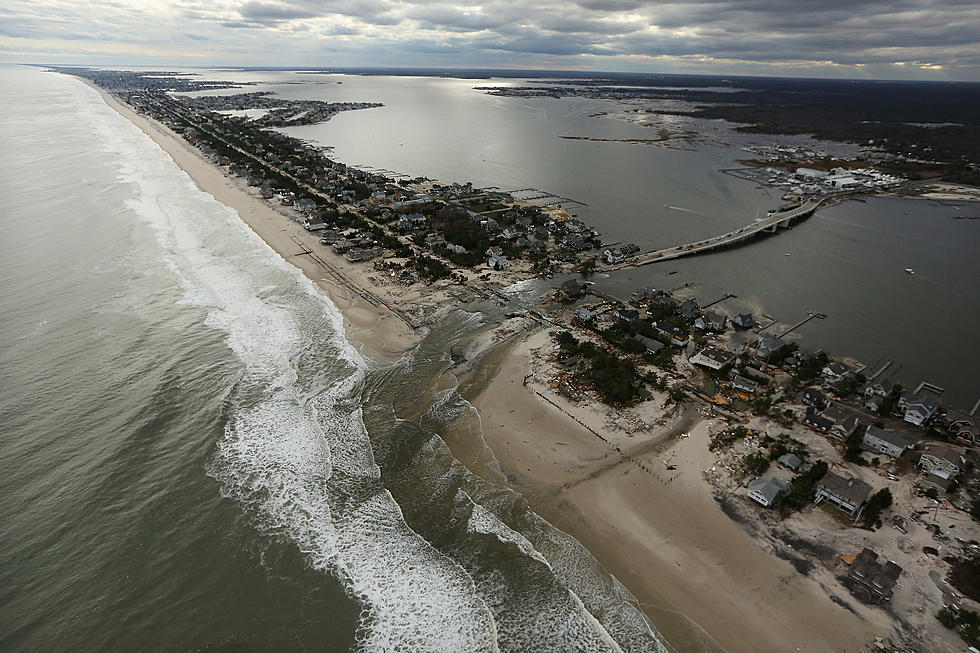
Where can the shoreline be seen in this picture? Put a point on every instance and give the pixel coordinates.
(559, 461)
(380, 333)
(661, 533)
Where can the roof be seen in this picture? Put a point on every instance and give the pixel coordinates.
(848, 487)
(897, 438)
(744, 320)
(790, 460)
(652, 345)
(945, 452)
(768, 487)
(717, 354)
(867, 566)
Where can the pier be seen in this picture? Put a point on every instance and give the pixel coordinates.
(769, 225)
(810, 316)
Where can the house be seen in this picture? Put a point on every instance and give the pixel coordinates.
(456, 249)
(743, 384)
(891, 443)
(678, 336)
(844, 420)
(846, 493)
(711, 321)
(498, 263)
(835, 371)
(714, 358)
(919, 409)
(768, 345)
(494, 251)
(941, 460)
(626, 315)
(585, 316)
(963, 426)
(766, 489)
(873, 575)
(432, 240)
(689, 309)
(816, 421)
(815, 398)
(790, 461)
(653, 346)
(509, 233)
(743, 321)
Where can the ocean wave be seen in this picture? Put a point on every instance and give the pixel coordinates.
(295, 452)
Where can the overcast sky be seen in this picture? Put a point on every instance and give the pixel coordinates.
(906, 39)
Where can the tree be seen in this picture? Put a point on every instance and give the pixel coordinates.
(755, 464)
(587, 266)
(802, 486)
(878, 502)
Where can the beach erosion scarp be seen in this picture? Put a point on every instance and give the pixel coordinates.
(667, 542)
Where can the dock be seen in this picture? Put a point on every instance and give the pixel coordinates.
(810, 316)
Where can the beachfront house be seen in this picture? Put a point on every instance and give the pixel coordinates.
(873, 575)
(963, 426)
(743, 321)
(942, 461)
(768, 345)
(714, 358)
(689, 308)
(846, 493)
(835, 371)
(766, 489)
(711, 321)
(919, 409)
(891, 443)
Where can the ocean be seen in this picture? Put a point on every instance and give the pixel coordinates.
(194, 457)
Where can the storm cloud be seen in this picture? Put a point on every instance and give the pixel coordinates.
(899, 38)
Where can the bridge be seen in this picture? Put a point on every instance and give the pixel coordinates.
(768, 225)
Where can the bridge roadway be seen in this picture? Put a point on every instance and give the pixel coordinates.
(770, 224)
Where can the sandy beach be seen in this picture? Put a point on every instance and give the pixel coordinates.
(381, 333)
(658, 530)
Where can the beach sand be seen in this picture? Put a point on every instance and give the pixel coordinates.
(659, 531)
(381, 333)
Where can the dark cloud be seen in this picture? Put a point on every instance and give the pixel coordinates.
(747, 33)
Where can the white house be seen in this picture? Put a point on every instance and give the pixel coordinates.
(941, 460)
(891, 443)
(846, 493)
(714, 358)
(919, 409)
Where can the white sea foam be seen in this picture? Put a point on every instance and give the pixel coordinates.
(304, 468)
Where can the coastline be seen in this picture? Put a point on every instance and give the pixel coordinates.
(711, 571)
(661, 533)
(381, 333)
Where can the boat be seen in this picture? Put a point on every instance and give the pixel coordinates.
(909, 271)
